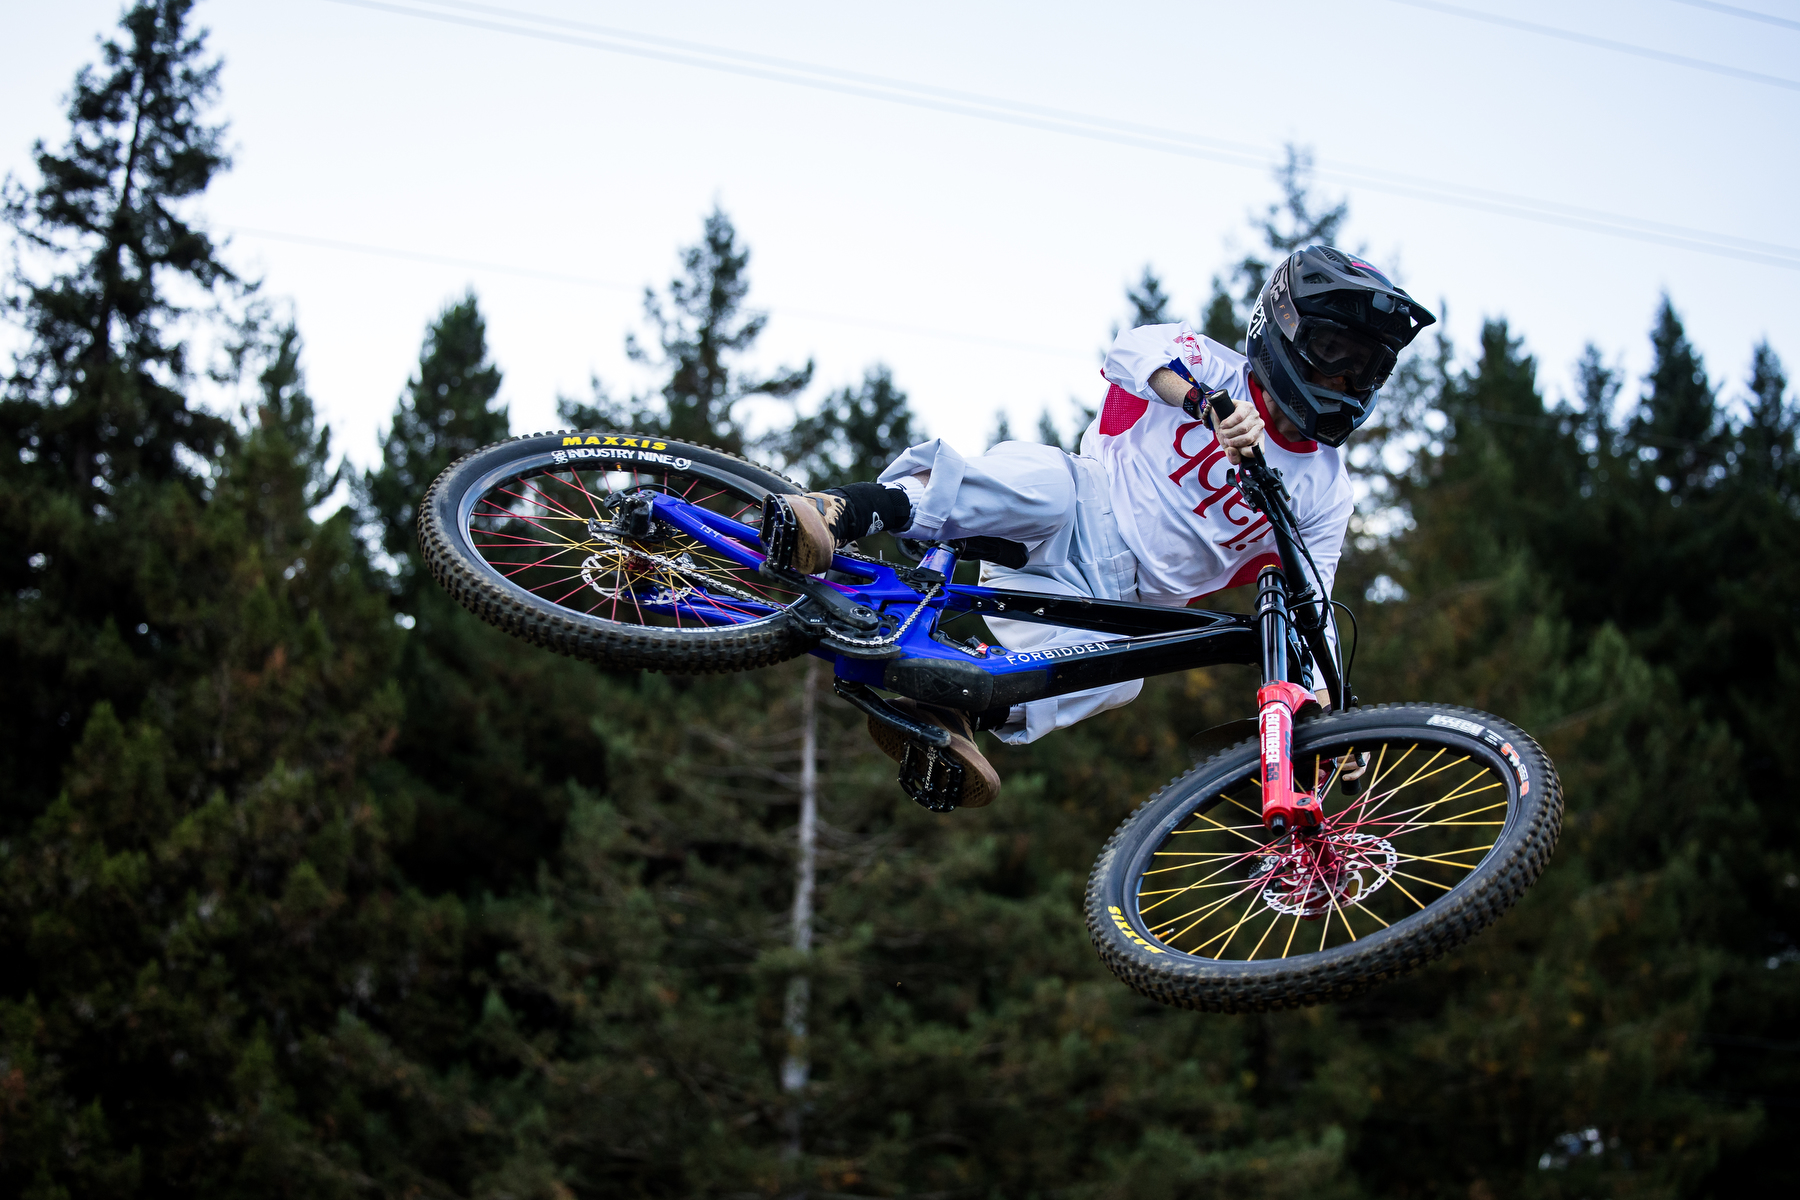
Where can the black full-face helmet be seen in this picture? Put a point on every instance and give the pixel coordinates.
(1329, 316)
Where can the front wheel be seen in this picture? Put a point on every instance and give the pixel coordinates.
(1454, 815)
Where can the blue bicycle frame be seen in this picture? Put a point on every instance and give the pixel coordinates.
(899, 646)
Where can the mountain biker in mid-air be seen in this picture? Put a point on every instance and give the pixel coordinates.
(1145, 512)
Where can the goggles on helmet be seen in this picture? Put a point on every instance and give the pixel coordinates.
(1333, 348)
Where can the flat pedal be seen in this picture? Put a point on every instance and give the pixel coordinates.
(934, 780)
(780, 530)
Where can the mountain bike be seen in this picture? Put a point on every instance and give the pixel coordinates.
(1328, 851)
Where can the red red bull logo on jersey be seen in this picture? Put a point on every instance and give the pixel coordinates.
(1189, 348)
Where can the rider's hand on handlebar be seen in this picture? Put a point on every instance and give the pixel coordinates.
(1239, 433)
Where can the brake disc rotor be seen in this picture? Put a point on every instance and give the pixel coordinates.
(1336, 870)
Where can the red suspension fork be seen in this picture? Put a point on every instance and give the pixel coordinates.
(1284, 806)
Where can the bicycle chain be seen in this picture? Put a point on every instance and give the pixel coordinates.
(882, 643)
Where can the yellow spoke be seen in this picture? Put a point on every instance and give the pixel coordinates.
(1187, 832)
(1421, 775)
(1290, 942)
(1381, 774)
(1441, 855)
(1331, 894)
(1231, 829)
(1445, 825)
(1475, 812)
(1419, 879)
(1178, 891)
(1415, 777)
(1187, 854)
(1457, 792)
(1336, 771)
(1227, 935)
(1274, 920)
(1210, 908)
(1238, 857)
(1197, 884)
(1207, 910)
(1403, 890)
(1373, 814)
(1455, 795)
(1247, 809)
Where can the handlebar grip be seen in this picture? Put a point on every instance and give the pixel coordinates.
(1219, 400)
(1198, 398)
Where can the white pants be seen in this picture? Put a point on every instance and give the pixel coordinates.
(1060, 506)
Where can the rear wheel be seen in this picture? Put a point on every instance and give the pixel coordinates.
(1195, 904)
(531, 536)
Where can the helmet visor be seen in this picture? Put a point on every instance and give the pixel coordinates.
(1334, 349)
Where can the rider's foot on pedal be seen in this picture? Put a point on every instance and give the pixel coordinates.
(980, 782)
(824, 521)
(815, 514)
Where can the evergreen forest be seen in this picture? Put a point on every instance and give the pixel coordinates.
(313, 885)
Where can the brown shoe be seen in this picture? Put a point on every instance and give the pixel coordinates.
(816, 515)
(921, 766)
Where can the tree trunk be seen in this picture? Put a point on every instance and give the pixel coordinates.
(796, 1067)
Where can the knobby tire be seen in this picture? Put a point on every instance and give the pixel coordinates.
(455, 561)
(1121, 891)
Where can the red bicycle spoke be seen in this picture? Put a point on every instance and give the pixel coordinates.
(549, 499)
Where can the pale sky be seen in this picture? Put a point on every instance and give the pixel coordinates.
(983, 260)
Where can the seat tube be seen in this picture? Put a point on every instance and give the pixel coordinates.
(1285, 806)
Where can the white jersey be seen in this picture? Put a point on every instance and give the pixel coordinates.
(1191, 531)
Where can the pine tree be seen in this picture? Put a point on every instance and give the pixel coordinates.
(216, 981)
(94, 420)
(1768, 438)
(97, 394)
(449, 409)
(1149, 303)
(1285, 227)
(1551, 579)
(494, 730)
(1677, 424)
(702, 328)
(854, 434)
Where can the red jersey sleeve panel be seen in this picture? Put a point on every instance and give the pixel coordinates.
(1120, 411)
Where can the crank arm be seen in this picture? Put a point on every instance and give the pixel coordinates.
(834, 602)
(860, 695)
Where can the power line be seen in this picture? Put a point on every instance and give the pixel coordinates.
(1096, 128)
(802, 314)
(1749, 14)
(1569, 35)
